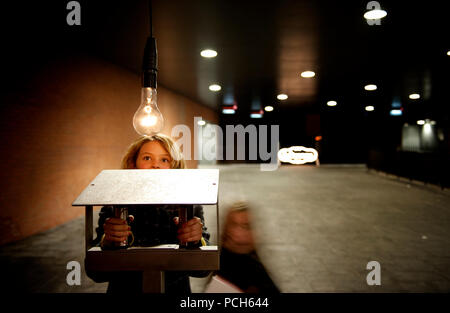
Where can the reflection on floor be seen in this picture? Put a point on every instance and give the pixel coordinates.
(316, 230)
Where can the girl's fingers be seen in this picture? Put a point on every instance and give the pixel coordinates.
(115, 238)
(114, 227)
(115, 221)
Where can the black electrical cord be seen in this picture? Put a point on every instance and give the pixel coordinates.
(150, 60)
(150, 17)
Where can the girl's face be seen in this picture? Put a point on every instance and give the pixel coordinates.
(153, 155)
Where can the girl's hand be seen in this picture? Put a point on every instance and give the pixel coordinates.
(191, 231)
(116, 229)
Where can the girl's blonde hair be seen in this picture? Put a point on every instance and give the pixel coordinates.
(130, 157)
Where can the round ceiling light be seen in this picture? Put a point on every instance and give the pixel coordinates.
(215, 87)
(331, 103)
(370, 87)
(375, 14)
(308, 74)
(208, 53)
(282, 96)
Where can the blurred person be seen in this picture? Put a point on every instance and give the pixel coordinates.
(239, 262)
(150, 225)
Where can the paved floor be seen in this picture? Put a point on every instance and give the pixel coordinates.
(317, 228)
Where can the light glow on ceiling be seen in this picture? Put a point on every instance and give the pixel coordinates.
(268, 108)
(414, 96)
(256, 115)
(331, 103)
(396, 112)
(307, 74)
(215, 87)
(370, 108)
(370, 87)
(282, 96)
(228, 111)
(375, 14)
(208, 53)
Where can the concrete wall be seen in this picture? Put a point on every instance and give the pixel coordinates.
(68, 121)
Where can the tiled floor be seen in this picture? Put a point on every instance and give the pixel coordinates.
(317, 228)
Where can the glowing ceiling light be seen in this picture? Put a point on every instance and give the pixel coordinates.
(257, 114)
(201, 123)
(420, 122)
(370, 108)
(268, 108)
(331, 103)
(228, 111)
(215, 87)
(396, 112)
(375, 14)
(208, 53)
(448, 52)
(307, 74)
(414, 96)
(282, 96)
(370, 87)
(298, 155)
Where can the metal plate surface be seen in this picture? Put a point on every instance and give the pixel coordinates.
(156, 186)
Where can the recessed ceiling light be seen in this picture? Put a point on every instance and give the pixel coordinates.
(448, 52)
(282, 96)
(375, 14)
(420, 122)
(268, 108)
(201, 122)
(414, 96)
(308, 74)
(214, 87)
(208, 53)
(370, 108)
(396, 112)
(228, 111)
(370, 87)
(331, 103)
(257, 114)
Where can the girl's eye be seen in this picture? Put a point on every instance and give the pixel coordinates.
(146, 158)
(165, 160)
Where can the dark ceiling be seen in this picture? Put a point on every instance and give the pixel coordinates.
(262, 46)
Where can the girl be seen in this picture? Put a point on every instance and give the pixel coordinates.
(150, 225)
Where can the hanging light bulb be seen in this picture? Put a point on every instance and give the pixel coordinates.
(148, 120)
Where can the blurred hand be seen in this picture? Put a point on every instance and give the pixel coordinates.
(191, 231)
(116, 229)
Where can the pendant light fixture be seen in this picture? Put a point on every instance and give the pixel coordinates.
(148, 120)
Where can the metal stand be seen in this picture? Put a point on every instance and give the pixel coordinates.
(127, 187)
